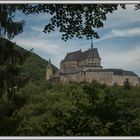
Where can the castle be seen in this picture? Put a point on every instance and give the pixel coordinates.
(86, 66)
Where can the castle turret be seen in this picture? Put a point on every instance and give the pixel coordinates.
(49, 70)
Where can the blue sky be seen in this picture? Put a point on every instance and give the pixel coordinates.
(118, 46)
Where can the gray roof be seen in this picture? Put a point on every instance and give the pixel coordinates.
(72, 56)
(115, 71)
(91, 53)
(78, 55)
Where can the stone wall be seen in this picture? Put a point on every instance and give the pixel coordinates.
(49, 73)
(121, 79)
(90, 62)
(68, 78)
(102, 77)
(71, 66)
(68, 66)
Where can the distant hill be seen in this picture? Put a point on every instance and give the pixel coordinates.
(34, 65)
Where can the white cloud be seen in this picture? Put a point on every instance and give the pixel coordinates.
(133, 32)
(36, 28)
(122, 17)
(129, 60)
(125, 33)
(39, 44)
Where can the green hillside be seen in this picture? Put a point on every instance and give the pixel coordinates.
(34, 66)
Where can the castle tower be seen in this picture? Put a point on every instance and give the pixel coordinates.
(49, 71)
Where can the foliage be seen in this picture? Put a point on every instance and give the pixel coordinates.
(127, 84)
(15, 71)
(78, 20)
(137, 6)
(10, 81)
(34, 66)
(55, 109)
(73, 20)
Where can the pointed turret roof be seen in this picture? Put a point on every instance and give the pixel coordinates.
(49, 63)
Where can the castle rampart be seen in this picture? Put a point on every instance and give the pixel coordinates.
(86, 66)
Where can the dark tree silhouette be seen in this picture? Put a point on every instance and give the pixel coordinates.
(137, 6)
(72, 20)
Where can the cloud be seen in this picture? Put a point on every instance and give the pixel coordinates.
(36, 28)
(125, 33)
(114, 33)
(128, 59)
(39, 44)
(122, 17)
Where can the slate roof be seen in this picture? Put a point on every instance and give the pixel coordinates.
(72, 56)
(78, 55)
(115, 71)
(91, 53)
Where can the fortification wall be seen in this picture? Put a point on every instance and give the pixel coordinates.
(68, 78)
(134, 80)
(105, 77)
(101, 77)
(118, 79)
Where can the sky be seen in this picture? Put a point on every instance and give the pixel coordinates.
(118, 46)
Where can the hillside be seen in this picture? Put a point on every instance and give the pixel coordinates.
(34, 66)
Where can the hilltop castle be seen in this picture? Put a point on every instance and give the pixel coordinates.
(86, 66)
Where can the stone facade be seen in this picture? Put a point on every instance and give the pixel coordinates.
(106, 76)
(49, 71)
(78, 61)
(86, 66)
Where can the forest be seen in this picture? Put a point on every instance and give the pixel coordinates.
(85, 109)
(45, 108)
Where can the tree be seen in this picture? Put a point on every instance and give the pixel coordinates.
(78, 20)
(127, 84)
(73, 20)
(11, 60)
(137, 6)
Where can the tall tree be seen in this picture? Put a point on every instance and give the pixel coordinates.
(10, 61)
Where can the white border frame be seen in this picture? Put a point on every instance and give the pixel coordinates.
(71, 2)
